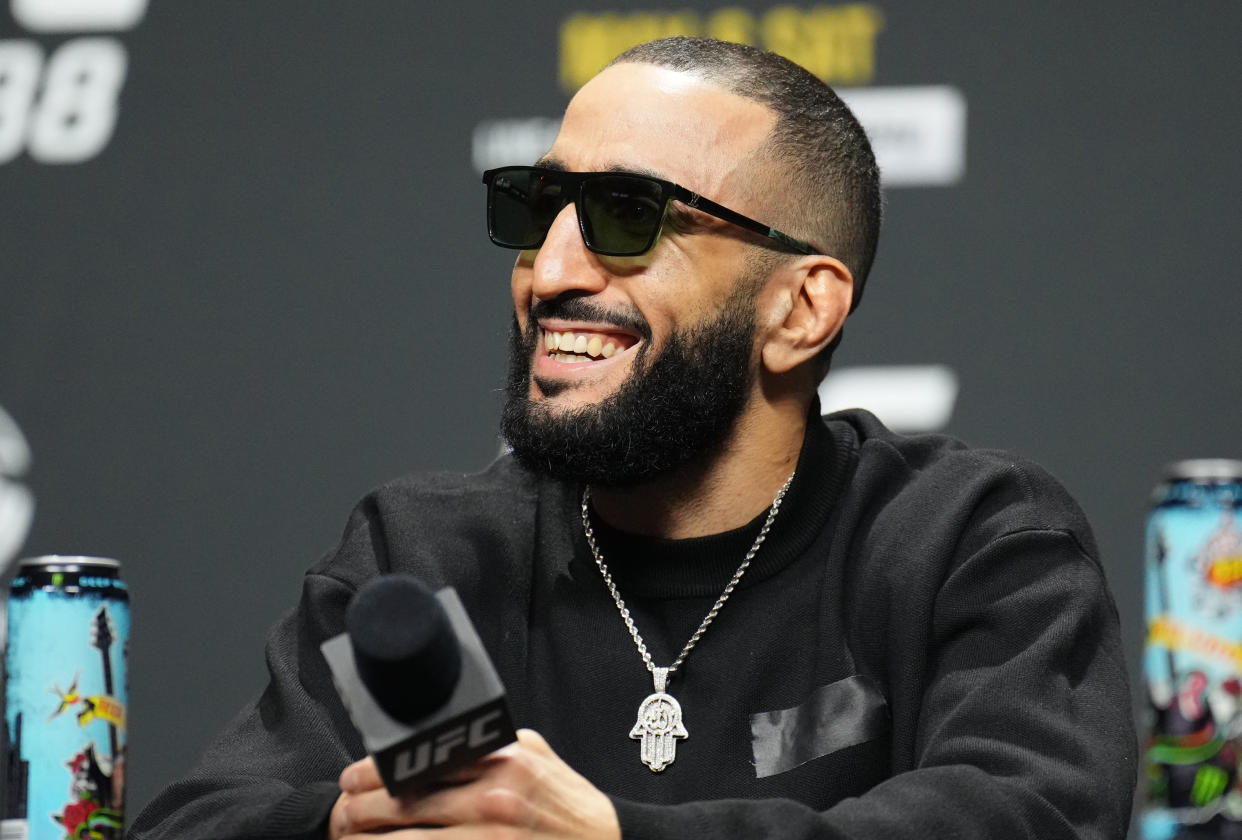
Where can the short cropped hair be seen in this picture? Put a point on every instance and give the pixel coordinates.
(827, 164)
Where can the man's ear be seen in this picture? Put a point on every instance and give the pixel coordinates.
(812, 298)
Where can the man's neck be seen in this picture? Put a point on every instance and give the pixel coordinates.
(723, 491)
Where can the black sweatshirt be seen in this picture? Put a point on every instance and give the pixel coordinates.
(924, 647)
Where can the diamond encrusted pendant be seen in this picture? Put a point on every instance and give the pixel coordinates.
(659, 725)
(659, 717)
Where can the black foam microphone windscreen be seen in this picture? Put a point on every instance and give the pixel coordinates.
(404, 646)
(417, 683)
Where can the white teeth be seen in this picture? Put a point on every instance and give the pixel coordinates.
(574, 348)
(570, 358)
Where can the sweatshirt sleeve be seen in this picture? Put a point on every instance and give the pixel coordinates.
(272, 773)
(1025, 728)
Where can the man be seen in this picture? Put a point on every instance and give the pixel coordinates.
(848, 633)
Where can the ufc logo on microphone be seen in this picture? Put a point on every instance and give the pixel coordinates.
(440, 749)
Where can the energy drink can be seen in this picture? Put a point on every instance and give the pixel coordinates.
(65, 700)
(1193, 657)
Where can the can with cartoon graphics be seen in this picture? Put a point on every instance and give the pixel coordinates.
(1193, 657)
(65, 700)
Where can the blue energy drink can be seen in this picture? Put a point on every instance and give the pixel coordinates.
(1193, 657)
(65, 701)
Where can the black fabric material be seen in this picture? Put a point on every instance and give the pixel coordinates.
(962, 585)
(835, 716)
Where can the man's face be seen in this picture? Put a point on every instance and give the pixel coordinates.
(640, 347)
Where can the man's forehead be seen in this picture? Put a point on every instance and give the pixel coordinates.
(643, 118)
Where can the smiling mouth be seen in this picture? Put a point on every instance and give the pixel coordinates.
(581, 347)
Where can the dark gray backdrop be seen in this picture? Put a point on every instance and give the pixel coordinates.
(272, 289)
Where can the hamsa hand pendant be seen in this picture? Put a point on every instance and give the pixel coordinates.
(658, 726)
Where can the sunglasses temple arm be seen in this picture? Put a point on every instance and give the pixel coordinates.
(698, 202)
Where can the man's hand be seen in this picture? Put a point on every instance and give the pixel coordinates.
(523, 790)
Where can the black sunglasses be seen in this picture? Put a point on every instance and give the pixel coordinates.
(619, 213)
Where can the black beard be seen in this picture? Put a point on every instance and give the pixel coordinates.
(674, 408)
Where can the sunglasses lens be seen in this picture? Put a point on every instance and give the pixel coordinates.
(521, 206)
(622, 214)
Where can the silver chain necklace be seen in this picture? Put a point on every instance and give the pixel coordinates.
(659, 722)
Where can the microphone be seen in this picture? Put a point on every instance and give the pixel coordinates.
(417, 683)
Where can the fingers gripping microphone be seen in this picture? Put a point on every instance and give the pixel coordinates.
(417, 683)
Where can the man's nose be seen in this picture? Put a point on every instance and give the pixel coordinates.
(563, 263)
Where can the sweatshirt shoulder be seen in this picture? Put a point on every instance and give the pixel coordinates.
(503, 479)
(421, 521)
(933, 478)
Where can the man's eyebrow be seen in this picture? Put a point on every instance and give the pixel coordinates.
(639, 170)
(556, 165)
